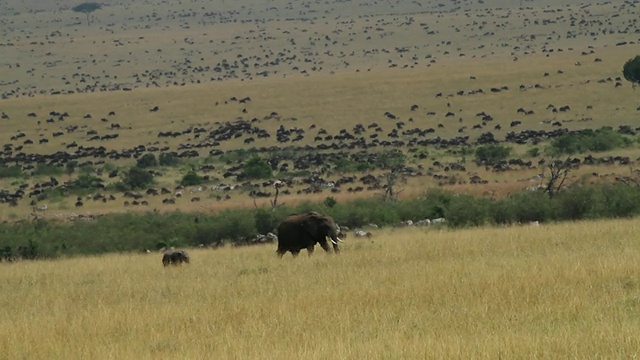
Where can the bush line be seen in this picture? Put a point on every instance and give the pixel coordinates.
(135, 232)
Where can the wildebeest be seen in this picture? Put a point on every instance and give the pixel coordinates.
(361, 233)
(175, 257)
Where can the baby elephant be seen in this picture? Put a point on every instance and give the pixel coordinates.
(175, 257)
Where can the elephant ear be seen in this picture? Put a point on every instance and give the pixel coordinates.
(314, 216)
(311, 222)
(322, 219)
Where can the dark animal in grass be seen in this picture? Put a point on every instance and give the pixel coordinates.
(175, 257)
(304, 231)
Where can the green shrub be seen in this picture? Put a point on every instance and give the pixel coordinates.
(85, 182)
(575, 203)
(501, 212)
(419, 209)
(621, 200)
(330, 201)
(257, 168)
(614, 200)
(233, 224)
(522, 207)
(10, 171)
(358, 212)
(438, 201)
(631, 70)
(491, 154)
(147, 161)
(191, 179)
(109, 167)
(234, 156)
(533, 152)
(6, 253)
(137, 178)
(48, 170)
(70, 167)
(363, 166)
(87, 169)
(119, 186)
(168, 159)
(390, 159)
(602, 139)
(465, 210)
(29, 251)
(344, 164)
(266, 221)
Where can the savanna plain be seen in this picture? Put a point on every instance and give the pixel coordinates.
(320, 84)
(128, 74)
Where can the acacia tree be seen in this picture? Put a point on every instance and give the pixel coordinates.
(393, 161)
(631, 71)
(87, 8)
(558, 172)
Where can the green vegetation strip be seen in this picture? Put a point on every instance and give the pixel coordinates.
(135, 232)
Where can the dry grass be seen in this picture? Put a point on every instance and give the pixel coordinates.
(556, 291)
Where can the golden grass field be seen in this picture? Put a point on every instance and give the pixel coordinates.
(558, 291)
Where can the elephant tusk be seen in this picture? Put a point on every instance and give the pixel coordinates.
(334, 242)
(340, 240)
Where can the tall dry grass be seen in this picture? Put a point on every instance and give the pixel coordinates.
(557, 291)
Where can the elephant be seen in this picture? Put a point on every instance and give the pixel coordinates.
(175, 257)
(303, 231)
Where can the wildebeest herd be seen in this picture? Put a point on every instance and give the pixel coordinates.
(216, 41)
(309, 153)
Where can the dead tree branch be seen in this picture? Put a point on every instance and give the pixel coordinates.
(559, 170)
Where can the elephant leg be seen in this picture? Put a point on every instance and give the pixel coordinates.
(295, 252)
(325, 245)
(310, 249)
(280, 253)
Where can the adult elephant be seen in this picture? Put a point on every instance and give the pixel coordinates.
(303, 231)
(175, 257)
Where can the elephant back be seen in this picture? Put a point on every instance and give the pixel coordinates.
(175, 257)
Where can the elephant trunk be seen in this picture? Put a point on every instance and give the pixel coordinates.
(334, 237)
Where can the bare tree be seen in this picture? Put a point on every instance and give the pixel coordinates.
(392, 178)
(632, 180)
(274, 202)
(394, 162)
(559, 170)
